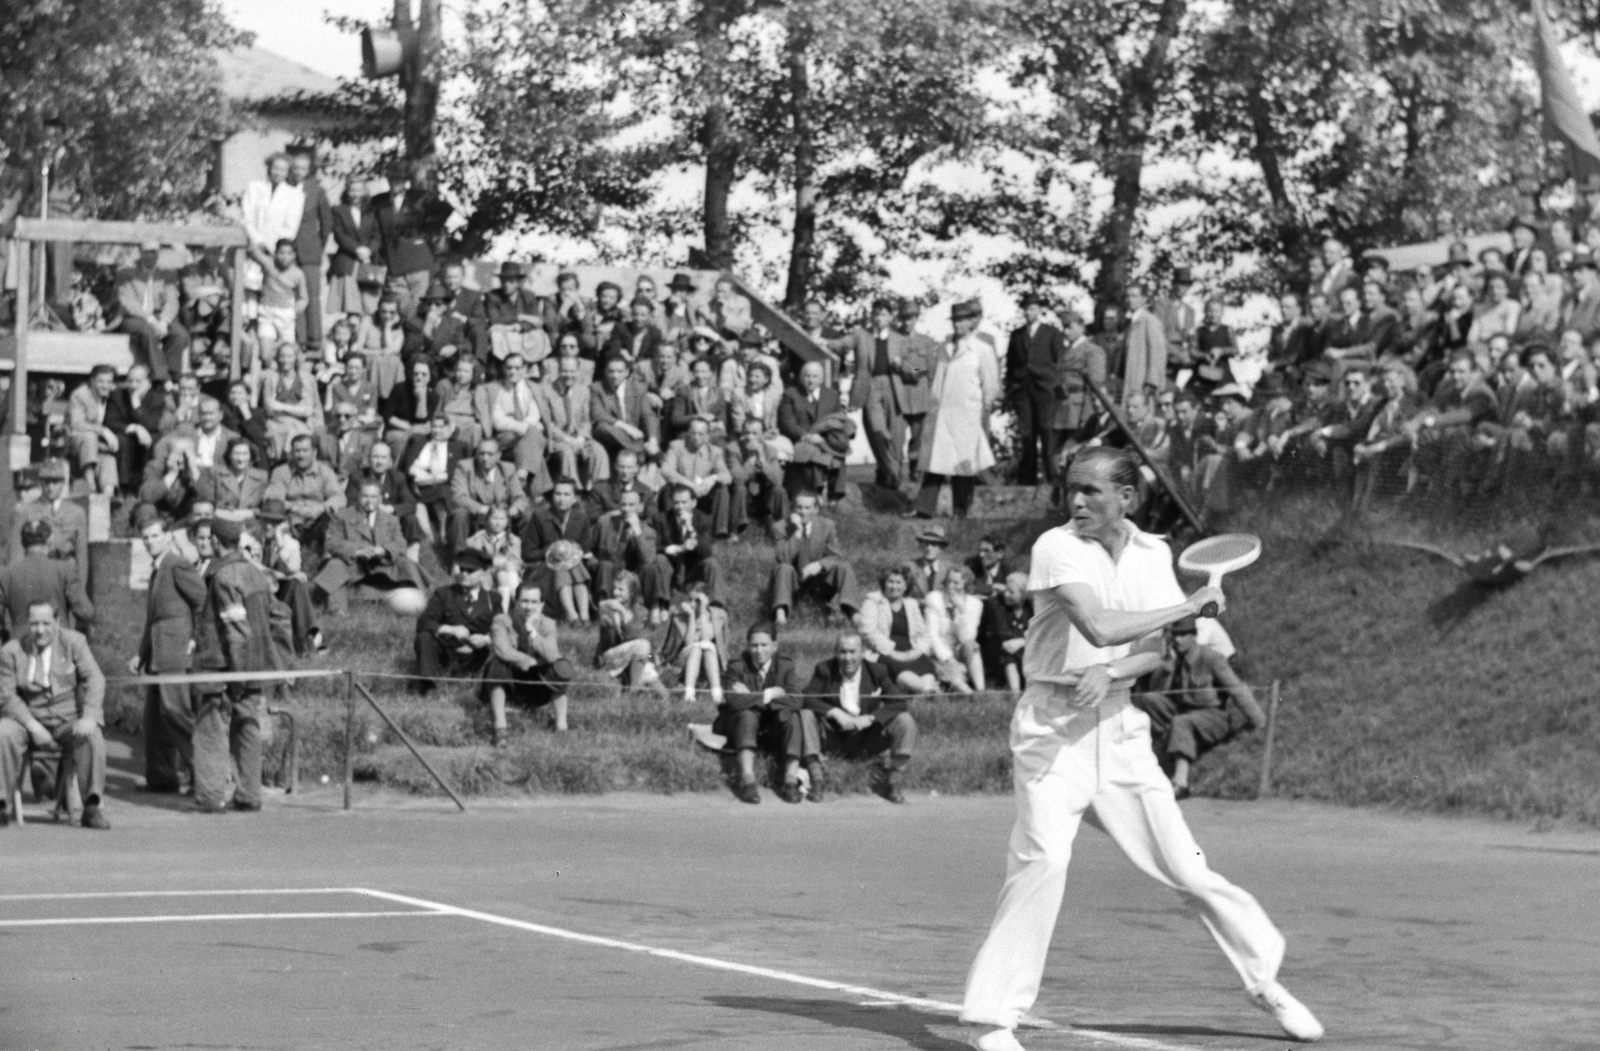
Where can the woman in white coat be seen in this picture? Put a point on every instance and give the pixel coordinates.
(966, 388)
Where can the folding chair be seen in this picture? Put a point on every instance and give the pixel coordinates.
(66, 795)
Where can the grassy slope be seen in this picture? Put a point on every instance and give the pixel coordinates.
(1391, 696)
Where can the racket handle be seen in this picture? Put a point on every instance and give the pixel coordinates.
(1210, 608)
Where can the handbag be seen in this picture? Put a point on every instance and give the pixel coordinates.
(371, 274)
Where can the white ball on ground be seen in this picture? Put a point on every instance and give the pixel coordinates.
(408, 602)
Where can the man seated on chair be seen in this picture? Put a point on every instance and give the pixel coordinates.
(1195, 702)
(692, 462)
(366, 546)
(453, 631)
(36, 577)
(809, 561)
(525, 664)
(861, 712)
(762, 710)
(52, 695)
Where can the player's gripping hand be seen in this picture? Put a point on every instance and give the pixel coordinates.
(1093, 686)
(1206, 596)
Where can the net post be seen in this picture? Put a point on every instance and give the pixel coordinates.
(349, 734)
(437, 777)
(1264, 787)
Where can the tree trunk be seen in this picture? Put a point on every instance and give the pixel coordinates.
(1265, 147)
(717, 140)
(1125, 141)
(803, 245)
(422, 95)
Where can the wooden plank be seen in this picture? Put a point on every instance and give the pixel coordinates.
(19, 377)
(97, 231)
(236, 313)
(72, 353)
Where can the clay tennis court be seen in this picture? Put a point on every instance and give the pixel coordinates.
(693, 922)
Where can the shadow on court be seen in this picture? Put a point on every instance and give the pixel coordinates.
(901, 1023)
(1136, 1029)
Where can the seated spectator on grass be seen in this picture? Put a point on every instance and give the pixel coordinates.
(625, 542)
(310, 490)
(1442, 431)
(137, 412)
(209, 433)
(445, 333)
(1003, 630)
(480, 483)
(233, 487)
(625, 477)
(366, 548)
(456, 398)
(757, 398)
(453, 631)
(762, 711)
(662, 376)
(69, 526)
(1195, 702)
(570, 346)
(1499, 314)
(686, 541)
(395, 489)
(345, 445)
(623, 649)
(566, 404)
(52, 695)
(861, 713)
(282, 558)
(95, 444)
(697, 641)
(926, 572)
(1256, 453)
(172, 484)
(757, 492)
(563, 518)
(567, 314)
(814, 419)
(148, 297)
(989, 567)
(33, 576)
(525, 665)
(518, 424)
(694, 463)
(622, 417)
(430, 466)
(891, 623)
(952, 615)
(701, 399)
(1189, 438)
(1380, 458)
(516, 318)
(635, 337)
(503, 548)
(748, 378)
(809, 562)
(410, 407)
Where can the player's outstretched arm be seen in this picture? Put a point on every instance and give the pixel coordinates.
(1113, 627)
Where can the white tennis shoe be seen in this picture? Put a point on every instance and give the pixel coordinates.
(995, 1040)
(1295, 1017)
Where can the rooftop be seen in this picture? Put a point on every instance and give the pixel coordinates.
(253, 74)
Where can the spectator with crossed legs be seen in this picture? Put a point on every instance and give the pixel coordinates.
(762, 709)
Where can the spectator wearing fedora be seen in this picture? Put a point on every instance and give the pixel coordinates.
(679, 312)
(926, 572)
(965, 391)
(453, 632)
(1033, 387)
(444, 332)
(809, 561)
(516, 317)
(884, 366)
(1196, 701)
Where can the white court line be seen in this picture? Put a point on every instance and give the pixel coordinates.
(881, 996)
(175, 893)
(74, 921)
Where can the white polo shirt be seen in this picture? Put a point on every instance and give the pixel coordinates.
(1141, 580)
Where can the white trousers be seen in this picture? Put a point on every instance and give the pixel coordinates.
(1064, 761)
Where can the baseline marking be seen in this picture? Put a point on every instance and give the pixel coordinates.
(175, 893)
(881, 997)
(74, 921)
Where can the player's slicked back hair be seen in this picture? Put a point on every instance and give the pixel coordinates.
(1122, 466)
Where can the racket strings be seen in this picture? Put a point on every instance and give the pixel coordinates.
(1220, 549)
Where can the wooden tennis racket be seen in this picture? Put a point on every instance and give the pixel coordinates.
(1217, 556)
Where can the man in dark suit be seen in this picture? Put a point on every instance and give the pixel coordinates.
(625, 539)
(636, 336)
(36, 577)
(345, 445)
(311, 245)
(465, 307)
(357, 241)
(177, 594)
(686, 535)
(811, 562)
(365, 545)
(395, 495)
(762, 710)
(621, 414)
(453, 632)
(134, 414)
(861, 712)
(884, 368)
(562, 518)
(607, 494)
(989, 566)
(405, 217)
(430, 465)
(1033, 375)
(808, 416)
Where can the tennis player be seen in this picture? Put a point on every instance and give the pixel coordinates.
(1103, 590)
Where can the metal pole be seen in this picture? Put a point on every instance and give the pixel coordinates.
(407, 742)
(19, 373)
(349, 734)
(1264, 788)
